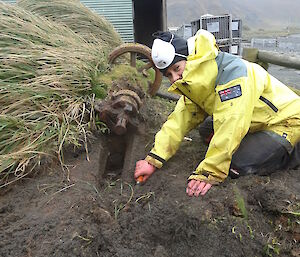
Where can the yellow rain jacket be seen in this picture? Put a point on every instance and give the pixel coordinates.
(241, 96)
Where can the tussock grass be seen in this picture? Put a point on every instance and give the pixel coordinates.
(240, 203)
(91, 26)
(47, 72)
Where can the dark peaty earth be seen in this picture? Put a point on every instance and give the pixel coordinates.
(76, 213)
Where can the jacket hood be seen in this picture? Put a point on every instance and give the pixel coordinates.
(205, 47)
(200, 67)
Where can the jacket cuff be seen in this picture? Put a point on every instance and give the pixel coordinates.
(205, 178)
(155, 160)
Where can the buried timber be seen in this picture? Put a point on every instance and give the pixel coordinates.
(98, 210)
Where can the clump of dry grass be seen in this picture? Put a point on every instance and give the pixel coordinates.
(91, 26)
(47, 72)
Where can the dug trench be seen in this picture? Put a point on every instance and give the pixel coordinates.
(95, 208)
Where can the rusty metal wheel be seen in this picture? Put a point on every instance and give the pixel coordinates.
(145, 51)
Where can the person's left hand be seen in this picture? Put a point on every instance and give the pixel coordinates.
(196, 188)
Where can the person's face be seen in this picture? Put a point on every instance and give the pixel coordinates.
(175, 71)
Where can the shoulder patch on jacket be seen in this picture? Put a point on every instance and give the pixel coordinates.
(230, 93)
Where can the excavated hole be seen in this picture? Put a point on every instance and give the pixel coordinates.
(116, 149)
(119, 155)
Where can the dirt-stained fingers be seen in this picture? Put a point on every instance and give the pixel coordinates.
(206, 188)
(196, 188)
(191, 187)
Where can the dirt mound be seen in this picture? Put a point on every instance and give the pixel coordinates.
(75, 214)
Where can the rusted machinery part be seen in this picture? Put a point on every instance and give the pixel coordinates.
(125, 85)
(135, 48)
(124, 101)
(128, 93)
(120, 111)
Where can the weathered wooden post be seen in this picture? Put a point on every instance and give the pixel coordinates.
(279, 59)
(251, 55)
(263, 57)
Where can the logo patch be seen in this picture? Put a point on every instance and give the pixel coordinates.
(230, 93)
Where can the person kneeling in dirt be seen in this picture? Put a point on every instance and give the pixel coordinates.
(255, 118)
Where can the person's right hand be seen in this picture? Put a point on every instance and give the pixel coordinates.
(143, 170)
(197, 187)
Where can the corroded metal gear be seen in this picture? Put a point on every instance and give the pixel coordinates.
(145, 51)
(121, 108)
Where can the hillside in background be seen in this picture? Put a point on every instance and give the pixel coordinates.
(266, 14)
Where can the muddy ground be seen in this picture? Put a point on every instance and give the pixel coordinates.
(77, 213)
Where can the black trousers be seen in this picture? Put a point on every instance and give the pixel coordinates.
(262, 152)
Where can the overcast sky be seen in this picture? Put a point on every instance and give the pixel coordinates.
(256, 13)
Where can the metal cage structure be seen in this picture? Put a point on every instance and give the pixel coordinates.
(227, 31)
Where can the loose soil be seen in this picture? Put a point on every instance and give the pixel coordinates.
(77, 213)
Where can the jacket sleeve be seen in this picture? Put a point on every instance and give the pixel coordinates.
(232, 115)
(184, 118)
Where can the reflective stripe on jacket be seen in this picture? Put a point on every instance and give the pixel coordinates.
(241, 96)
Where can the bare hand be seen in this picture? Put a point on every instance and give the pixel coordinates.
(143, 170)
(196, 188)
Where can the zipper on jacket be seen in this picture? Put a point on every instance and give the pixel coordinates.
(267, 102)
(185, 95)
